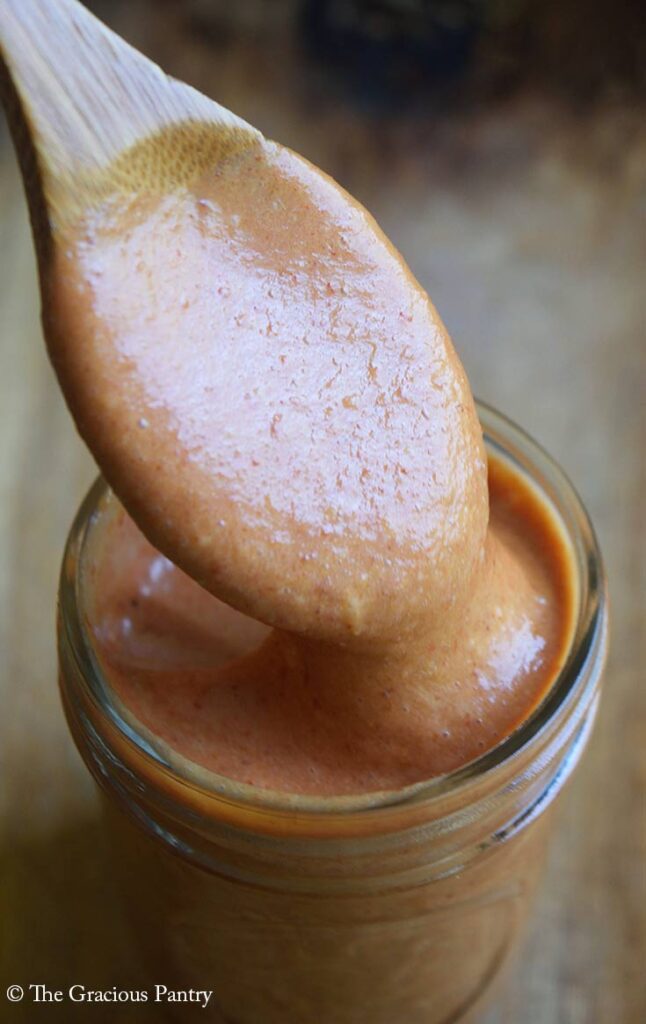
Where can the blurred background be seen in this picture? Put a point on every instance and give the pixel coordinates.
(502, 146)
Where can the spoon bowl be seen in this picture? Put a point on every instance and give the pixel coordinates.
(262, 381)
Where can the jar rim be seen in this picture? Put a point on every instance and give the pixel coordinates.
(574, 681)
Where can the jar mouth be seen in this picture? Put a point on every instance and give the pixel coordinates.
(513, 445)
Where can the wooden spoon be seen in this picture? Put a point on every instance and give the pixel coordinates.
(78, 97)
(262, 381)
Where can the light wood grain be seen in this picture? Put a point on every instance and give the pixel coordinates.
(80, 96)
(523, 223)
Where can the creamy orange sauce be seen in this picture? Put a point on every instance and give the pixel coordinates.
(232, 696)
(274, 398)
(277, 404)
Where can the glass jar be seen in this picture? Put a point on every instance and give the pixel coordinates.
(387, 908)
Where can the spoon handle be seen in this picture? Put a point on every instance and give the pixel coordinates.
(77, 95)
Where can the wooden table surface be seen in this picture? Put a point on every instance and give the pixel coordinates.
(522, 220)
